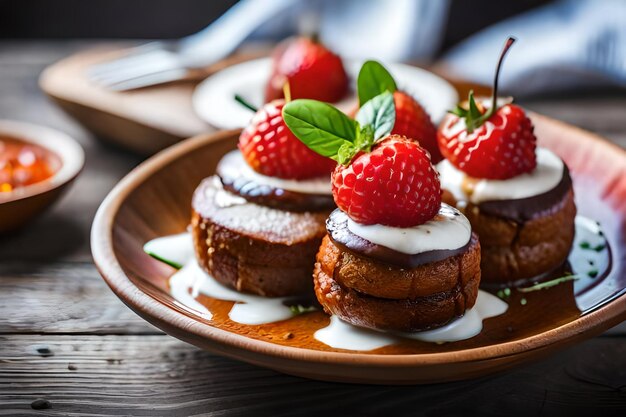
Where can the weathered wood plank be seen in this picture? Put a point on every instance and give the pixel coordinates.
(62, 298)
(157, 375)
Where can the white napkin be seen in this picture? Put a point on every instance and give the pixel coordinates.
(397, 30)
(567, 45)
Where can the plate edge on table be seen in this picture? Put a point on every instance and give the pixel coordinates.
(163, 316)
(201, 91)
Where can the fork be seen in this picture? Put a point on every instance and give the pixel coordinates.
(160, 62)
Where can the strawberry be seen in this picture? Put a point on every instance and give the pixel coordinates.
(270, 148)
(311, 70)
(502, 147)
(382, 178)
(395, 184)
(412, 120)
(494, 143)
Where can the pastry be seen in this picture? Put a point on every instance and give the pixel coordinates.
(257, 223)
(518, 197)
(395, 258)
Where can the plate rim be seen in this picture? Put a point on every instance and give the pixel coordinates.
(586, 326)
(199, 93)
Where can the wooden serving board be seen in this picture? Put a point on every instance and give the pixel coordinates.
(145, 120)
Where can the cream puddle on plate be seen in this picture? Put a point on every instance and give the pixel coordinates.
(342, 335)
(190, 281)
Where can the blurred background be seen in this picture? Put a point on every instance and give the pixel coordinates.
(563, 45)
(152, 19)
(78, 345)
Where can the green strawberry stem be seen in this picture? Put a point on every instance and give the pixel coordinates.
(245, 103)
(474, 118)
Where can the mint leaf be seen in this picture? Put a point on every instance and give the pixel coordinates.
(300, 309)
(171, 263)
(365, 138)
(373, 79)
(346, 153)
(320, 126)
(380, 113)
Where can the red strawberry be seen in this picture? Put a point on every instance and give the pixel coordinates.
(311, 70)
(500, 148)
(494, 143)
(270, 148)
(395, 184)
(413, 122)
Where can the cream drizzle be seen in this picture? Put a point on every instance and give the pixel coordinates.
(341, 335)
(543, 178)
(191, 280)
(449, 229)
(176, 248)
(233, 165)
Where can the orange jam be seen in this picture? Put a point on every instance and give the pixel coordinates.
(23, 163)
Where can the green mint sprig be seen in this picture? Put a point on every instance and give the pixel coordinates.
(329, 132)
(549, 284)
(373, 80)
(379, 113)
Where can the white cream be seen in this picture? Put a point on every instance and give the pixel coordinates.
(449, 229)
(584, 260)
(225, 198)
(588, 264)
(546, 176)
(341, 335)
(469, 325)
(191, 281)
(180, 284)
(233, 165)
(177, 249)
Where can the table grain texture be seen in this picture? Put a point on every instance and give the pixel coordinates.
(68, 346)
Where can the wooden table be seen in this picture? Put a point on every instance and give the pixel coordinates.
(67, 343)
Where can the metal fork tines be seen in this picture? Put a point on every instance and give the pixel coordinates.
(148, 64)
(160, 62)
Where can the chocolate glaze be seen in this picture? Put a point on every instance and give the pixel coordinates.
(523, 209)
(277, 198)
(337, 227)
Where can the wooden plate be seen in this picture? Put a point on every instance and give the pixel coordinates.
(154, 200)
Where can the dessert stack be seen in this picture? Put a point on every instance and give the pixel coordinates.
(518, 197)
(395, 257)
